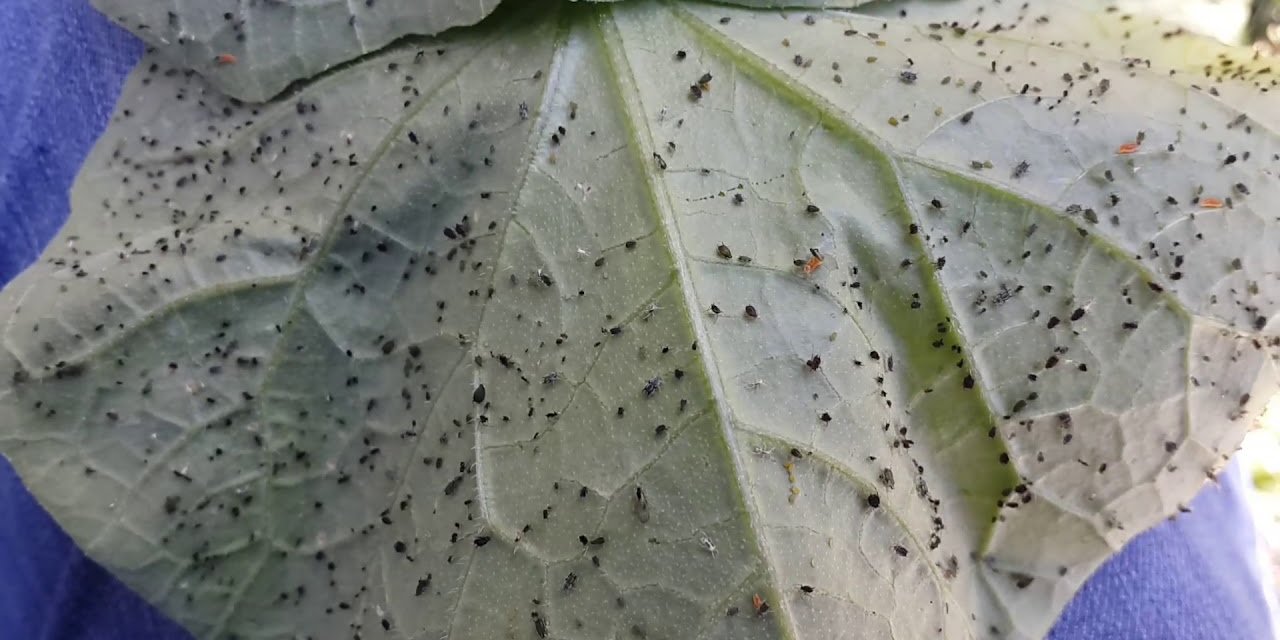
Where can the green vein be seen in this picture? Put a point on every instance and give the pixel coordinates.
(629, 101)
(870, 148)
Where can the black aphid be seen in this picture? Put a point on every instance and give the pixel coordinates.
(652, 386)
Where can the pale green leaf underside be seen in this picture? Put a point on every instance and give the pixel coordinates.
(253, 49)
(247, 376)
(782, 4)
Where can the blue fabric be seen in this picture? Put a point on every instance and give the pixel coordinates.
(61, 67)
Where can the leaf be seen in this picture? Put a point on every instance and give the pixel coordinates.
(786, 4)
(475, 338)
(1087, 27)
(253, 49)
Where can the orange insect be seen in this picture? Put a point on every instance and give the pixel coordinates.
(1211, 203)
(759, 604)
(1128, 148)
(812, 265)
(226, 58)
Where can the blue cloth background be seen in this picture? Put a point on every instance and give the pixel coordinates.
(61, 67)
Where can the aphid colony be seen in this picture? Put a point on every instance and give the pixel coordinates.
(504, 401)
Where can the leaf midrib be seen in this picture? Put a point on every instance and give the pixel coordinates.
(842, 125)
(635, 122)
(830, 117)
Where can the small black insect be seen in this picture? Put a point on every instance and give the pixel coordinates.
(652, 386)
(641, 506)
